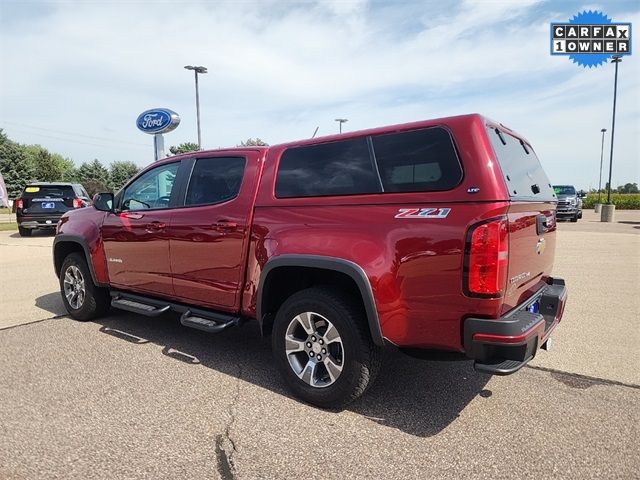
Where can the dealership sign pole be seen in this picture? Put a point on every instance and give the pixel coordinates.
(156, 122)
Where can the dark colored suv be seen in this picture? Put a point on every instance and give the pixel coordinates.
(569, 202)
(41, 204)
(436, 235)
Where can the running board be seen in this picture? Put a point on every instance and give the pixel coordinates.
(138, 307)
(201, 319)
(189, 319)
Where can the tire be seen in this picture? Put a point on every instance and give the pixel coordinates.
(24, 232)
(580, 214)
(354, 351)
(94, 302)
(574, 219)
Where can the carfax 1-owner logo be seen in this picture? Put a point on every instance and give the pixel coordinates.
(590, 38)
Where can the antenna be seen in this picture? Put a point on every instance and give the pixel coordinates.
(316, 131)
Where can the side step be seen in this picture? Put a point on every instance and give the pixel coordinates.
(193, 320)
(501, 367)
(138, 307)
(201, 319)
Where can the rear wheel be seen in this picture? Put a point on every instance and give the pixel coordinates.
(323, 348)
(24, 232)
(81, 297)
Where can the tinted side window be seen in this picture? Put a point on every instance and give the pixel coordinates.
(337, 168)
(521, 168)
(417, 161)
(152, 189)
(215, 180)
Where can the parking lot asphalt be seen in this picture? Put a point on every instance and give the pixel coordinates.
(133, 397)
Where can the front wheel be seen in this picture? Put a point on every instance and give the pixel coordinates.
(81, 297)
(574, 219)
(323, 348)
(24, 232)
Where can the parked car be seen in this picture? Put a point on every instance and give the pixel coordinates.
(436, 235)
(41, 204)
(569, 202)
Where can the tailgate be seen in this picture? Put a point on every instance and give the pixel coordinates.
(532, 244)
(47, 206)
(531, 215)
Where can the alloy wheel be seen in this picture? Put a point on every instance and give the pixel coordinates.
(314, 349)
(74, 287)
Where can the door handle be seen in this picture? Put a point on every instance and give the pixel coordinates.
(154, 226)
(224, 225)
(132, 216)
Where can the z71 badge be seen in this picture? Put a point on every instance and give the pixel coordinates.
(423, 213)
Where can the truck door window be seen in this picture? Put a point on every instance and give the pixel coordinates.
(152, 189)
(417, 161)
(215, 180)
(336, 168)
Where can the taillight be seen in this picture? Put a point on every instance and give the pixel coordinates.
(19, 203)
(487, 259)
(77, 203)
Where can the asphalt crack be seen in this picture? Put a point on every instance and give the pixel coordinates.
(32, 322)
(578, 380)
(225, 445)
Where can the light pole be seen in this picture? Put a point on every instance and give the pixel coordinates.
(616, 60)
(601, 157)
(196, 71)
(341, 121)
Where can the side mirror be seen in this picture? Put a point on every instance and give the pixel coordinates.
(582, 194)
(103, 202)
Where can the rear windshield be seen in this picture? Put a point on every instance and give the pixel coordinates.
(48, 191)
(523, 174)
(564, 189)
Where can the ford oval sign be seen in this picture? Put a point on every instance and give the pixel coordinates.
(158, 120)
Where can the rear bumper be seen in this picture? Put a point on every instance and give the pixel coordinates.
(503, 346)
(39, 221)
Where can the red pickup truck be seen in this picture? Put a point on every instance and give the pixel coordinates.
(435, 235)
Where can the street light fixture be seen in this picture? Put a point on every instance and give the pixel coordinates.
(616, 60)
(601, 157)
(341, 121)
(196, 71)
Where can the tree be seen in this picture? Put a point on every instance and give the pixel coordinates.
(14, 166)
(93, 176)
(628, 188)
(47, 167)
(184, 148)
(120, 172)
(253, 142)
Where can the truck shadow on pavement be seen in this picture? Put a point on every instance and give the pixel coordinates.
(415, 396)
(52, 303)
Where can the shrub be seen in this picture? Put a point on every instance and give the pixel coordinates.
(622, 201)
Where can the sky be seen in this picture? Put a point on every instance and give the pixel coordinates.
(74, 75)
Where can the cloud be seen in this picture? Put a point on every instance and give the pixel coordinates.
(279, 69)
